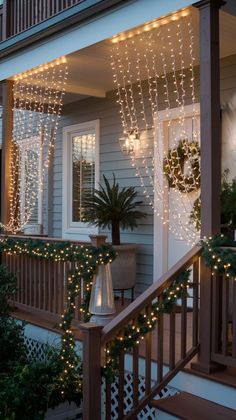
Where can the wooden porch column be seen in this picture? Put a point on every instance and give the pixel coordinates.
(91, 371)
(7, 126)
(210, 161)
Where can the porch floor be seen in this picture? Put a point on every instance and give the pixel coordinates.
(50, 322)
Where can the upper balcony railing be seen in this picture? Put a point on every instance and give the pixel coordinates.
(18, 15)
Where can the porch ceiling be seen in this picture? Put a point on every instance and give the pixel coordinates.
(90, 71)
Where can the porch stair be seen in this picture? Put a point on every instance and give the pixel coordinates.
(186, 406)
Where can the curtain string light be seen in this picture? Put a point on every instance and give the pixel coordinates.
(144, 59)
(37, 96)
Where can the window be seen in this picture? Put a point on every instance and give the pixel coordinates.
(80, 176)
(30, 161)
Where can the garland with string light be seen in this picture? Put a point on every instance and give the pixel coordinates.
(174, 163)
(86, 258)
(133, 334)
(219, 255)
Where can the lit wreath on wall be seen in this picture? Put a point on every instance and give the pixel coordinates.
(186, 152)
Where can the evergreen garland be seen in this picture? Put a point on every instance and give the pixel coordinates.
(219, 255)
(133, 334)
(69, 382)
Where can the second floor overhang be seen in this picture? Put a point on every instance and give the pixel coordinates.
(78, 27)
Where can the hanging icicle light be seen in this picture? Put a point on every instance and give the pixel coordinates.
(151, 66)
(38, 95)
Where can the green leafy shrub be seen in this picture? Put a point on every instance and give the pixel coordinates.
(228, 206)
(25, 391)
(12, 347)
(28, 387)
(8, 288)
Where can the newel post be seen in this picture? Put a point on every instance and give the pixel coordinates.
(210, 160)
(91, 371)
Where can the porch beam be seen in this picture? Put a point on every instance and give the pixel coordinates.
(7, 128)
(210, 160)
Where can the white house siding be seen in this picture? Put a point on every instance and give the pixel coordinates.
(113, 160)
(228, 103)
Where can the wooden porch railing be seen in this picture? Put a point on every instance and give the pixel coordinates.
(42, 284)
(158, 345)
(19, 15)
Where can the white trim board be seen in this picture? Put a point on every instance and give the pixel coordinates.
(161, 236)
(112, 22)
(73, 230)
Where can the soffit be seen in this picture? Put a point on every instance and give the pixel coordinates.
(91, 67)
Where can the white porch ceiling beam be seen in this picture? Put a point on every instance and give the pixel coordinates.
(83, 90)
(98, 29)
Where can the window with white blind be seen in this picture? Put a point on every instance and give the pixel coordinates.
(80, 176)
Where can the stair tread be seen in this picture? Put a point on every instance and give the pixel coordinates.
(189, 407)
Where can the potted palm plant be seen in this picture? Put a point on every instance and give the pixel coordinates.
(116, 208)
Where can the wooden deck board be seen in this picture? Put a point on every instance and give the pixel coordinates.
(189, 407)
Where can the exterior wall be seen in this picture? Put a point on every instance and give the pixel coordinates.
(228, 105)
(113, 160)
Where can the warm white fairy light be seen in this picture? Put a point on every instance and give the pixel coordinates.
(37, 107)
(146, 54)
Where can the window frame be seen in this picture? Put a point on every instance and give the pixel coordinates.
(70, 229)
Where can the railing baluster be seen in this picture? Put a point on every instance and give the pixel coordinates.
(148, 355)
(225, 305)
(23, 14)
(55, 285)
(183, 327)
(234, 321)
(35, 281)
(160, 331)
(172, 341)
(216, 312)
(195, 302)
(50, 286)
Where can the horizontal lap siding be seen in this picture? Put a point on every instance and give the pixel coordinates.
(111, 160)
(228, 103)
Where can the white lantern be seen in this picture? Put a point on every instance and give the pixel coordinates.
(101, 304)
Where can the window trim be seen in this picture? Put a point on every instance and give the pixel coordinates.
(70, 229)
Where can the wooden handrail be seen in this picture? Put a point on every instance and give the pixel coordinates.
(44, 238)
(149, 295)
(160, 345)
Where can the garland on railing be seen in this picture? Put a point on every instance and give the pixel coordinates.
(87, 259)
(220, 259)
(132, 334)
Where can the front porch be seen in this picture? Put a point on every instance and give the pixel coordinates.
(52, 159)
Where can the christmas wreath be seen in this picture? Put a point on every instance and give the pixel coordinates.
(174, 164)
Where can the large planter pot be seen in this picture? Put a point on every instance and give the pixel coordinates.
(123, 268)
